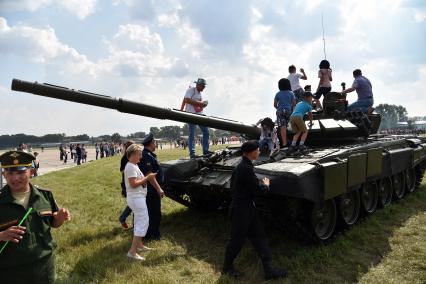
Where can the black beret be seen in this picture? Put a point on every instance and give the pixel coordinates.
(249, 146)
(148, 139)
(16, 160)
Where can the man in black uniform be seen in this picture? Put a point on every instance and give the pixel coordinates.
(245, 221)
(28, 257)
(149, 164)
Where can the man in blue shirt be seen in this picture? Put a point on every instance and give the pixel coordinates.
(365, 93)
(284, 102)
(298, 125)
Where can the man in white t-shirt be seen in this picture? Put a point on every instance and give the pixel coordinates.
(294, 77)
(193, 102)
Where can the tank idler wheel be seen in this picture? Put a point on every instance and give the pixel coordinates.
(349, 205)
(323, 219)
(369, 197)
(398, 186)
(385, 192)
(410, 180)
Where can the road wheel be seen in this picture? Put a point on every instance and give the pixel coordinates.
(410, 180)
(323, 219)
(398, 186)
(369, 197)
(349, 205)
(385, 192)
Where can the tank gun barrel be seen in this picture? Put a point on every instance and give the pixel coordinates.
(127, 106)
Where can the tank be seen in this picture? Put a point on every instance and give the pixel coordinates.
(348, 172)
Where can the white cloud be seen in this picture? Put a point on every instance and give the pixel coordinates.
(41, 46)
(419, 16)
(80, 8)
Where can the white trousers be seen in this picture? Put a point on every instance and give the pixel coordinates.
(140, 211)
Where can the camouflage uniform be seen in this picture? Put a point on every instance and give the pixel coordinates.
(31, 260)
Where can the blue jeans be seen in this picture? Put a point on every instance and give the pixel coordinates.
(361, 104)
(191, 139)
(266, 143)
(126, 212)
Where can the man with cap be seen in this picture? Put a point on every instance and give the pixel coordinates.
(245, 222)
(195, 104)
(149, 164)
(28, 257)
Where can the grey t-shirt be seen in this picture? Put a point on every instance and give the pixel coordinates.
(363, 87)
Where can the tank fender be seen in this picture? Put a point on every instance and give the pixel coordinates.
(335, 178)
(357, 169)
(374, 162)
(419, 155)
(401, 159)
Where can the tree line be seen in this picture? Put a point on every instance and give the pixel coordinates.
(171, 132)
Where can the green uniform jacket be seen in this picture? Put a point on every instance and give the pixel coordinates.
(37, 241)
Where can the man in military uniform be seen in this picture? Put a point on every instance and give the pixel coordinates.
(28, 257)
(244, 219)
(149, 164)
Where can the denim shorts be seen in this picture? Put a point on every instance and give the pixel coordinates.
(283, 117)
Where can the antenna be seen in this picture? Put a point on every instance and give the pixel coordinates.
(323, 37)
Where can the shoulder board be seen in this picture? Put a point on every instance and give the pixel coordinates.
(42, 189)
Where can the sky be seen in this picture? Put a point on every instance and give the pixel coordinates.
(151, 51)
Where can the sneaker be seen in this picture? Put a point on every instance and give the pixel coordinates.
(232, 272)
(124, 226)
(135, 257)
(302, 148)
(291, 149)
(145, 248)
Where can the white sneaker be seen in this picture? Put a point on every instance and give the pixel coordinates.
(135, 257)
(145, 248)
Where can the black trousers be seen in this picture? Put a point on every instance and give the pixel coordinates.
(39, 272)
(153, 203)
(245, 224)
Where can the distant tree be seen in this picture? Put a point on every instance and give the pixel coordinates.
(82, 137)
(391, 115)
(140, 134)
(170, 132)
(116, 138)
(154, 130)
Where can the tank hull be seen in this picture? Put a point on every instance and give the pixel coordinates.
(302, 184)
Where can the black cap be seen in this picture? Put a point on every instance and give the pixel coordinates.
(16, 160)
(249, 146)
(148, 139)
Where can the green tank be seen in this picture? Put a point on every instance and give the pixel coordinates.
(349, 171)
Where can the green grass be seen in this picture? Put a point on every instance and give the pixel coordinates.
(387, 247)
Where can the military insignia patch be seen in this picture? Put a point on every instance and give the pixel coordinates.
(16, 161)
(14, 155)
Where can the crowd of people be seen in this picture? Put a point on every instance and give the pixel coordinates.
(403, 131)
(78, 152)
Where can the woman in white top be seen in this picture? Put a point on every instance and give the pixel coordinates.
(324, 85)
(136, 189)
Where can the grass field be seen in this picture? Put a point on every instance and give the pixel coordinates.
(387, 247)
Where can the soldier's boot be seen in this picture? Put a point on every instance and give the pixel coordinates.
(273, 272)
(228, 269)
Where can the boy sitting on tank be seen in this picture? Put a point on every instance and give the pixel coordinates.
(268, 135)
(297, 123)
